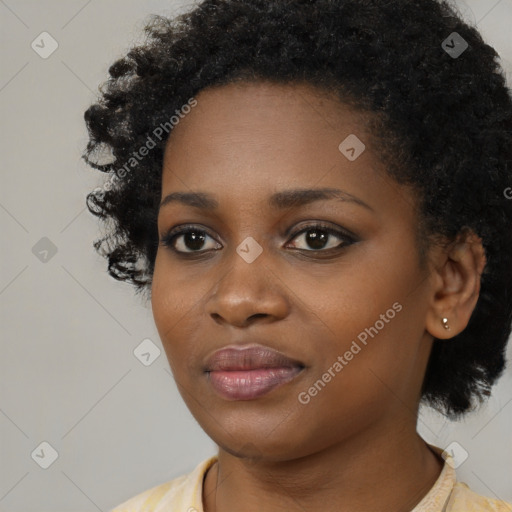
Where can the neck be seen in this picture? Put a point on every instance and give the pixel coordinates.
(390, 472)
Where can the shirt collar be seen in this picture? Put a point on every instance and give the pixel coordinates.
(438, 496)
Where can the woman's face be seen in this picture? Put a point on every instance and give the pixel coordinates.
(345, 310)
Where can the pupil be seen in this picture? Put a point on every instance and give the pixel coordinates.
(316, 241)
(194, 240)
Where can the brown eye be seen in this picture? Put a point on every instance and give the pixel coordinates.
(320, 237)
(315, 238)
(187, 239)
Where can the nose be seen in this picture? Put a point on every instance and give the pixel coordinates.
(248, 293)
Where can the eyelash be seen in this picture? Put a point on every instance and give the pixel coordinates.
(168, 239)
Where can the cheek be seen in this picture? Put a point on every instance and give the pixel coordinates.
(164, 305)
(374, 323)
(173, 305)
(367, 382)
(173, 295)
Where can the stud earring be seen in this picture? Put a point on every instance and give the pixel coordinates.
(445, 323)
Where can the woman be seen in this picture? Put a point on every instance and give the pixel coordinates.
(313, 195)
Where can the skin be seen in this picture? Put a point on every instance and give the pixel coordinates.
(354, 446)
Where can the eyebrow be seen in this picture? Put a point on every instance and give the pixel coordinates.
(280, 200)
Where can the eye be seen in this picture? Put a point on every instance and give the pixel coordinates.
(187, 237)
(319, 237)
(190, 239)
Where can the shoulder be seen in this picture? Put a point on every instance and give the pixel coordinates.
(451, 495)
(182, 493)
(463, 499)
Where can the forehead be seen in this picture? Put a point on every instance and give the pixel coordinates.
(252, 110)
(241, 144)
(251, 133)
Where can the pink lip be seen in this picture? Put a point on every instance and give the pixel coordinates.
(246, 373)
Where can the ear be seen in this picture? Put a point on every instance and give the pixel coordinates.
(456, 287)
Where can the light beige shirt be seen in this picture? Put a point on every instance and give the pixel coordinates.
(184, 494)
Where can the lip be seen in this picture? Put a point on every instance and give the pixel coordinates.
(250, 371)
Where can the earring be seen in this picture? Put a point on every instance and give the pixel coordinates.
(445, 323)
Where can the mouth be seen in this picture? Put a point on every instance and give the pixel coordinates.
(249, 372)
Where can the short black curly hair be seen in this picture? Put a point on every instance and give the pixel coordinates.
(441, 122)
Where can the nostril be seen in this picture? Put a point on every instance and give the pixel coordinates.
(257, 315)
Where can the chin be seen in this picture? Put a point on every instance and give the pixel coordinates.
(261, 444)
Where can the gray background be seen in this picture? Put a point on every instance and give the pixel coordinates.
(69, 375)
